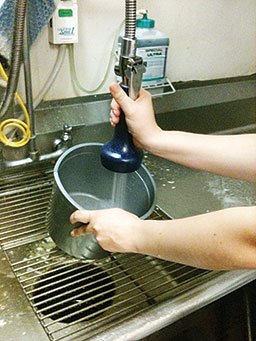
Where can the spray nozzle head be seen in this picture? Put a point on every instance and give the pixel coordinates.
(120, 155)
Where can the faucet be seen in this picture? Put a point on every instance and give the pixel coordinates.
(130, 67)
(65, 139)
(119, 154)
(60, 145)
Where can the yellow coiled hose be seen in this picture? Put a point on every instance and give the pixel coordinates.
(13, 123)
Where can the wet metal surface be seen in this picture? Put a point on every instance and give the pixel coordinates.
(184, 192)
(17, 319)
(148, 294)
(72, 297)
(135, 285)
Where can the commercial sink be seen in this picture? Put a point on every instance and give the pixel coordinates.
(124, 296)
(86, 300)
(76, 299)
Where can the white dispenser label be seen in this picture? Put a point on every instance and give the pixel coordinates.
(63, 26)
(154, 59)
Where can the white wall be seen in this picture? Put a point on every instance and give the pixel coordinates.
(210, 39)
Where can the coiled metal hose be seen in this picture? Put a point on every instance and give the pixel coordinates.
(130, 19)
(16, 56)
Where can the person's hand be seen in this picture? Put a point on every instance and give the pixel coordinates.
(114, 229)
(139, 115)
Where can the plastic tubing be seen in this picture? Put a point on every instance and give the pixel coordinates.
(8, 125)
(13, 124)
(53, 75)
(76, 83)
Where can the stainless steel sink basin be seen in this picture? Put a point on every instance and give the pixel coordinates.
(74, 298)
(123, 297)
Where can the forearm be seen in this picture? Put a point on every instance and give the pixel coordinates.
(232, 155)
(224, 239)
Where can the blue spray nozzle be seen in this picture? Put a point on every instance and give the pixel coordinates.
(120, 154)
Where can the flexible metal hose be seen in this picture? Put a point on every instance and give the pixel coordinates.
(53, 75)
(130, 19)
(16, 56)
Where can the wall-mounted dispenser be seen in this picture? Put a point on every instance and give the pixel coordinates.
(63, 26)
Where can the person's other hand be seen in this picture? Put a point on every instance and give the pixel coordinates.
(115, 229)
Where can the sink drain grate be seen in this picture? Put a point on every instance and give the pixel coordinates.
(60, 298)
(72, 297)
(75, 299)
(23, 202)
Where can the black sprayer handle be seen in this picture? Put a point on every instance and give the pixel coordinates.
(121, 129)
(120, 154)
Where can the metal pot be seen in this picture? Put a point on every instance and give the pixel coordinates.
(81, 182)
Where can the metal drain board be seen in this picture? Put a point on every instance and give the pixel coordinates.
(74, 299)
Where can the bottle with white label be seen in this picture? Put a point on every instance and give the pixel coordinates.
(152, 46)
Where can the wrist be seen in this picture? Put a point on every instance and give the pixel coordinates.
(152, 140)
(140, 238)
(144, 238)
(156, 142)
